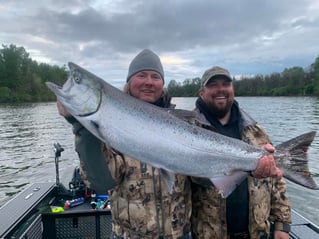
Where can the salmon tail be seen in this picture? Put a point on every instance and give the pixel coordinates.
(291, 156)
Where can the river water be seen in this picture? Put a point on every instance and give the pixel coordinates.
(28, 132)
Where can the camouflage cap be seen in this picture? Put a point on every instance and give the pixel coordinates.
(213, 72)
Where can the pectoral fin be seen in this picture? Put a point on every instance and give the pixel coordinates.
(227, 184)
(169, 180)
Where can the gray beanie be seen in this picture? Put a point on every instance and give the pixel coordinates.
(145, 60)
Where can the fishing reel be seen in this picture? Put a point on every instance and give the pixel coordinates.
(58, 149)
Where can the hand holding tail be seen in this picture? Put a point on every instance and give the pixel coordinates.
(266, 166)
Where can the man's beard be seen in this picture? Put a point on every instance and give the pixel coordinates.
(219, 112)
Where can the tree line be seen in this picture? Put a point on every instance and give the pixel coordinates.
(294, 81)
(23, 80)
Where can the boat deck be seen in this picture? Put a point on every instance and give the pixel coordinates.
(21, 206)
(303, 228)
(24, 217)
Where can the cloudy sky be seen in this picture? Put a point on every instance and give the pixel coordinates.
(246, 36)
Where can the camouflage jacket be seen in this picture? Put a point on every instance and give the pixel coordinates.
(141, 206)
(268, 201)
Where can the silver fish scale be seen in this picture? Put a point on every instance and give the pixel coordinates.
(152, 134)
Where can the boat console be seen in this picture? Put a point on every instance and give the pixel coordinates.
(32, 214)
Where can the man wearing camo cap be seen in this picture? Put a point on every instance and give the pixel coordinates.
(256, 203)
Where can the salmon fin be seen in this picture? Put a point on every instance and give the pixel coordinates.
(169, 180)
(190, 117)
(227, 184)
(296, 168)
(303, 178)
(186, 115)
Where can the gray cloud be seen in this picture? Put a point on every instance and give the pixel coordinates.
(247, 36)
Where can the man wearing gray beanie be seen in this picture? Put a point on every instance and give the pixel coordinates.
(147, 65)
(141, 204)
(145, 60)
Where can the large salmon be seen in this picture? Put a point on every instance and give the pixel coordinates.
(158, 137)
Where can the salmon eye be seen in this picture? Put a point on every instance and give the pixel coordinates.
(76, 77)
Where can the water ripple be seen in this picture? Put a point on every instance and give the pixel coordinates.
(28, 131)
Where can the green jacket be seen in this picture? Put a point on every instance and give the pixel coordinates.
(268, 201)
